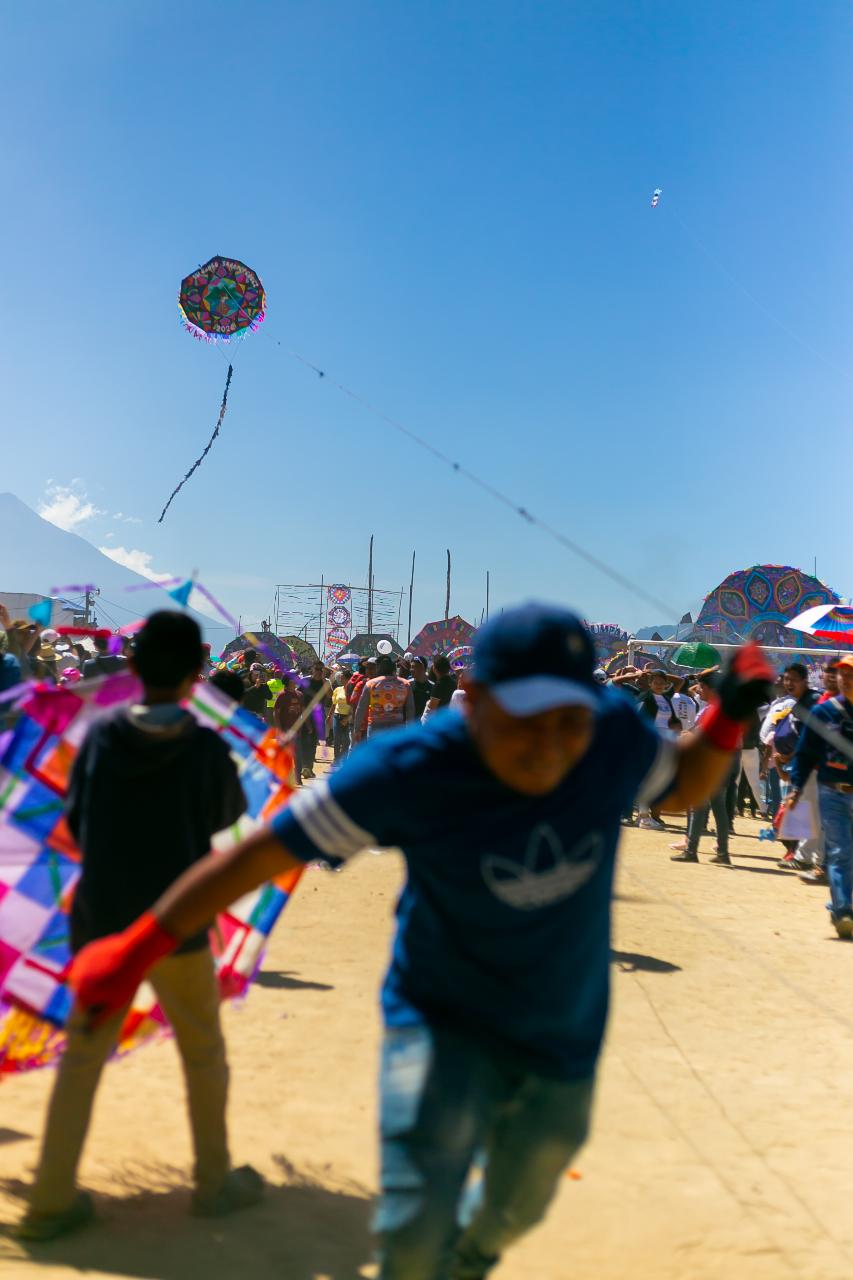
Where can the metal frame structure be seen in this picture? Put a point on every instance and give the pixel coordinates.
(300, 609)
(633, 645)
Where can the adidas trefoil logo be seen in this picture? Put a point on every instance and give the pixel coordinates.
(547, 874)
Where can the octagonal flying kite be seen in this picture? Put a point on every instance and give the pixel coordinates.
(222, 301)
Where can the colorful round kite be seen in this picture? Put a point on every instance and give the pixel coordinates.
(757, 604)
(222, 300)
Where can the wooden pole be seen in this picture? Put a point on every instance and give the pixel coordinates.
(370, 589)
(411, 592)
(447, 597)
(321, 643)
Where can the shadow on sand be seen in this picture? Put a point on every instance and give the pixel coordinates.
(278, 981)
(303, 1230)
(13, 1135)
(636, 962)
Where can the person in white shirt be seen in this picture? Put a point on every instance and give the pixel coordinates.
(685, 708)
(656, 705)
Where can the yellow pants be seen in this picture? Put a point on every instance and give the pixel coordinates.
(187, 990)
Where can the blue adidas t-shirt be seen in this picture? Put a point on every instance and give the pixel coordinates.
(503, 927)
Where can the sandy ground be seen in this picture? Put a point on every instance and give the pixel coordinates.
(723, 1142)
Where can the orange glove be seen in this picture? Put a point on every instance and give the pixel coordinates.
(105, 975)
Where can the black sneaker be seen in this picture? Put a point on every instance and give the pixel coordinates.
(686, 856)
(241, 1189)
(721, 860)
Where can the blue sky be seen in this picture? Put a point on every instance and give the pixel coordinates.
(449, 207)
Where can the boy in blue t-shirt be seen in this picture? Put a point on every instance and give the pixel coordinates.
(495, 1001)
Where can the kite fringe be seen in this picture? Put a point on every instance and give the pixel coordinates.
(207, 448)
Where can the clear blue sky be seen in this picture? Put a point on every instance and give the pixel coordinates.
(449, 207)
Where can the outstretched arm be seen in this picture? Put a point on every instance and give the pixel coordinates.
(705, 756)
(106, 973)
(213, 883)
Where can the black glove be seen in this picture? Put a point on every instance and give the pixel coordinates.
(746, 683)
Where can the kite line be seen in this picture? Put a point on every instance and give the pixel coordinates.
(499, 496)
(207, 447)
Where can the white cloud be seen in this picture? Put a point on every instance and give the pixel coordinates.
(67, 506)
(119, 515)
(138, 561)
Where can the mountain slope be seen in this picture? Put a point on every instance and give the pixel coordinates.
(36, 556)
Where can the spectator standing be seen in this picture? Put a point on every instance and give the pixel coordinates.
(258, 693)
(688, 851)
(341, 717)
(10, 667)
(309, 737)
(800, 832)
(22, 637)
(656, 705)
(818, 755)
(289, 706)
(386, 702)
(684, 707)
(154, 778)
(444, 684)
(420, 685)
(104, 663)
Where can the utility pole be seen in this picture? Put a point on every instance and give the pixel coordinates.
(411, 591)
(90, 605)
(370, 589)
(447, 597)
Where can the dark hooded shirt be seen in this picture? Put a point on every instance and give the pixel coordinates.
(149, 789)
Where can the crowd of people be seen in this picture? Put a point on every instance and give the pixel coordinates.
(508, 816)
(351, 705)
(792, 769)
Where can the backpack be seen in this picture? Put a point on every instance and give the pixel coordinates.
(786, 735)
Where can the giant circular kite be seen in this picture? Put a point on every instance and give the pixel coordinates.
(756, 604)
(609, 639)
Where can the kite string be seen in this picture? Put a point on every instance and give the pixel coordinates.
(207, 448)
(756, 302)
(530, 517)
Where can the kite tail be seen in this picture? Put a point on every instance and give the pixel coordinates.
(207, 448)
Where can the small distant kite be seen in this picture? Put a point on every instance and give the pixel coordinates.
(222, 301)
(656, 195)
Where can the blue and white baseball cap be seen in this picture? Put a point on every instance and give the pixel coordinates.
(537, 657)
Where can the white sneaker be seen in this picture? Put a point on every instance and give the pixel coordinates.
(651, 824)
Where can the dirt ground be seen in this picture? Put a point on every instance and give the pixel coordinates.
(723, 1138)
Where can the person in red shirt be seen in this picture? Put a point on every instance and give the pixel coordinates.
(366, 671)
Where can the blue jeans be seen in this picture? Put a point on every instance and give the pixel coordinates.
(340, 736)
(773, 791)
(449, 1105)
(836, 818)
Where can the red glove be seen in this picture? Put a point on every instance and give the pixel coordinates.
(745, 685)
(106, 974)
